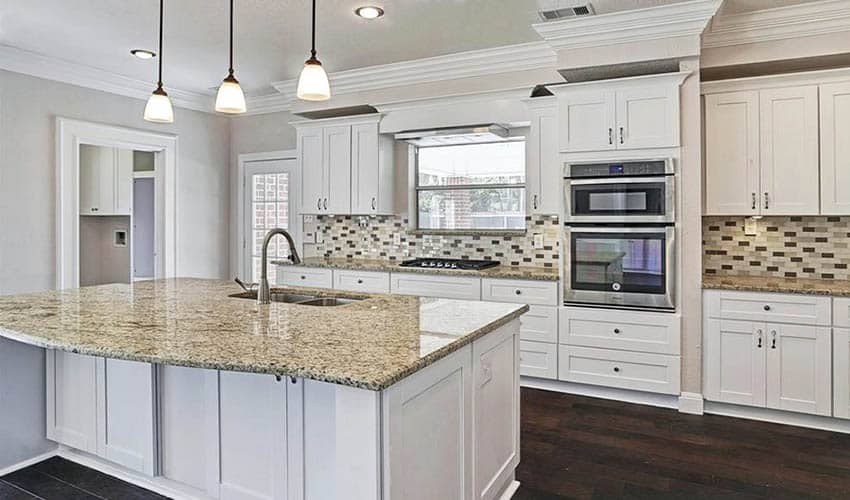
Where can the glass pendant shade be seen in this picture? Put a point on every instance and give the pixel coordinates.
(230, 98)
(313, 83)
(158, 108)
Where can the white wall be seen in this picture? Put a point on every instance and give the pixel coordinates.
(28, 110)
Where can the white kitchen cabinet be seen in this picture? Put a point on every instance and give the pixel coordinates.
(540, 324)
(310, 277)
(538, 359)
(543, 167)
(628, 113)
(799, 371)
(106, 176)
(835, 149)
(789, 151)
(427, 285)
(309, 151)
(361, 281)
(642, 331)
(336, 162)
(72, 400)
(543, 293)
(732, 154)
(735, 361)
(841, 372)
(620, 369)
(371, 170)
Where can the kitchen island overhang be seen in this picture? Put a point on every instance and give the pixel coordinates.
(385, 397)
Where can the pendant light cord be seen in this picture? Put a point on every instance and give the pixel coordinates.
(231, 38)
(313, 50)
(161, 14)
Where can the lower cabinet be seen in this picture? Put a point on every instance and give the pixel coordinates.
(620, 369)
(841, 371)
(538, 359)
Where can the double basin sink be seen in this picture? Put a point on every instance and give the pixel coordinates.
(298, 299)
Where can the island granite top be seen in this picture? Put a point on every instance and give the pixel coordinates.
(370, 344)
(808, 286)
(499, 272)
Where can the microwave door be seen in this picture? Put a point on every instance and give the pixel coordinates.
(638, 199)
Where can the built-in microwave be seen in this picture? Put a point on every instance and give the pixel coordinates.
(620, 266)
(625, 192)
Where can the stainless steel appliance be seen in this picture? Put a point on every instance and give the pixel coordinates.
(625, 192)
(461, 264)
(620, 266)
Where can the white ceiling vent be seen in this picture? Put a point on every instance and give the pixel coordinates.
(553, 10)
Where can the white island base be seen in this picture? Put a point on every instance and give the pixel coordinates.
(448, 431)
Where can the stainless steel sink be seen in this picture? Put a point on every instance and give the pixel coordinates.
(297, 298)
(327, 301)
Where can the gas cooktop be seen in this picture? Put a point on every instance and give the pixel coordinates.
(462, 264)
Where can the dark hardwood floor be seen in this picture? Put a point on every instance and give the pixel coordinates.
(577, 447)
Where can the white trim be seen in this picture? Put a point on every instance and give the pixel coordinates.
(692, 403)
(52, 68)
(780, 23)
(510, 491)
(779, 417)
(595, 391)
(673, 78)
(777, 81)
(70, 134)
(630, 26)
(26, 463)
(515, 93)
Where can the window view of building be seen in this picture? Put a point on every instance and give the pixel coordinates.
(472, 186)
(269, 209)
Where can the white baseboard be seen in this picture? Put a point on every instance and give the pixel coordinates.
(510, 490)
(26, 463)
(779, 417)
(692, 403)
(596, 391)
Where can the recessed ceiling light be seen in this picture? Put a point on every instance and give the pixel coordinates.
(369, 12)
(143, 54)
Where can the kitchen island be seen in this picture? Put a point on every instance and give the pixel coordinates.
(187, 386)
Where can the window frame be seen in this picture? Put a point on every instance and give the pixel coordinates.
(413, 159)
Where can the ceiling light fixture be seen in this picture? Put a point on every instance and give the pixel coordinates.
(313, 83)
(143, 53)
(230, 98)
(158, 108)
(369, 12)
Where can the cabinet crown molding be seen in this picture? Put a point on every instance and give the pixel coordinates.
(776, 81)
(675, 78)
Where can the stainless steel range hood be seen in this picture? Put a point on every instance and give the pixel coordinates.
(452, 136)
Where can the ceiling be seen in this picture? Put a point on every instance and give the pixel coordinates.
(272, 36)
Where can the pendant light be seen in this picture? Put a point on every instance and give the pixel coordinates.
(230, 98)
(158, 108)
(313, 83)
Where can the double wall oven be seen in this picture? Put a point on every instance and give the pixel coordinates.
(619, 234)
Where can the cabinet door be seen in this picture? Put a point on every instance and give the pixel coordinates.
(337, 166)
(835, 149)
(648, 117)
(735, 362)
(732, 154)
(365, 168)
(586, 121)
(106, 181)
(799, 374)
(71, 400)
(125, 433)
(123, 188)
(89, 179)
(543, 167)
(312, 170)
(789, 151)
(841, 371)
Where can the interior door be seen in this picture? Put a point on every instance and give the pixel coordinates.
(144, 254)
(790, 167)
(799, 368)
(735, 362)
(270, 202)
(587, 121)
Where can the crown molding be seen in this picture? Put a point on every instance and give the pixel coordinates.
(781, 23)
(512, 94)
(838, 75)
(631, 26)
(51, 68)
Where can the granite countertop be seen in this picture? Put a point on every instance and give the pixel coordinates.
(501, 271)
(807, 286)
(371, 343)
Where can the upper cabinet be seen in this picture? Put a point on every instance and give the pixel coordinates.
(543, 167)
(777, 150)
(346, 165)
(106, 177)
(628, 113)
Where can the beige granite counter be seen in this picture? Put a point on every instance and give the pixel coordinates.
(371, 343)
(501, 271)
(779, 285)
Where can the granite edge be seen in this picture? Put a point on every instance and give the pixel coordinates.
(529, 273)
(775, 286)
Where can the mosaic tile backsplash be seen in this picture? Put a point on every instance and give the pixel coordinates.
(344, 238)
(792, 247)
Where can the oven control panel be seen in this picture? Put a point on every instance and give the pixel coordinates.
(624, 169)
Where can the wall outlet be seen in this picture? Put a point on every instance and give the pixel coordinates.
(396, 239)
(363, 222)
(751, 226)
(309, 219)
(320, 237)
(537, 241)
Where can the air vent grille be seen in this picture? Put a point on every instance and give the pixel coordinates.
(566, 12)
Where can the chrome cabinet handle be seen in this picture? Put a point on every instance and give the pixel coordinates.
(326, 203)
(319, 203)
(754, 201)
(622, 138)
(760, 338)
(374, 201)
(534, 201)
(610, 135)
(766, 201)
(773, 341)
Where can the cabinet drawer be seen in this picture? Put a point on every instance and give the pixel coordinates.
(628, 330)
(770, 307)
(449, 287)
(841, 312)
(538, 359)
(626, 370)
(539, 324)
(544, 293)
(306, 276)
(362, 281)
